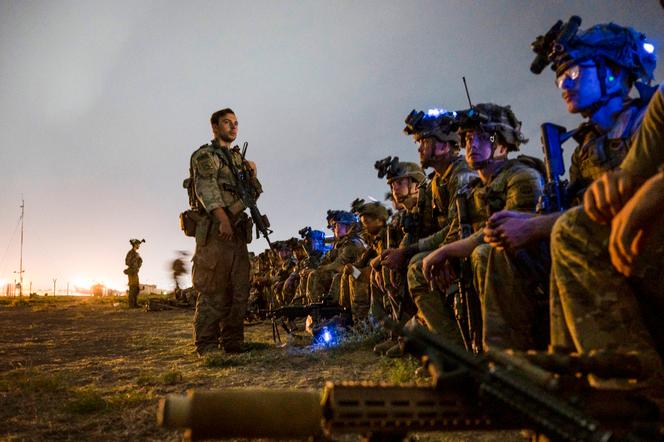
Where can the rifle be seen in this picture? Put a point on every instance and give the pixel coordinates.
(469, 392)
(319, 311)
(467, 309)
(554, 198)
(261, 222)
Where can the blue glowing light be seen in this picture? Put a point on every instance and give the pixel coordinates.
(649, 47)
(326, 337)
(436, 112)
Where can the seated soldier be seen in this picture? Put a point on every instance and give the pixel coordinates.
(347, 248)
(355, 279)
(490, 132)
(438, 147)
(607, 256)
(596, 70)
(389, 291)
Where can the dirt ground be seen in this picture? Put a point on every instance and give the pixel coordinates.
(90, 369)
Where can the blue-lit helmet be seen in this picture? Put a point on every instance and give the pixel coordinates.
(344, 217)
(564, 45)
(436, 123)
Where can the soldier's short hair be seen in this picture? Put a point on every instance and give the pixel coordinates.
(214, 118)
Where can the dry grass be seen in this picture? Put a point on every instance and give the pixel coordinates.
(89, 369)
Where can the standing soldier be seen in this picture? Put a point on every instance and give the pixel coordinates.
(179, 268)
(133, 261)
(222, 229)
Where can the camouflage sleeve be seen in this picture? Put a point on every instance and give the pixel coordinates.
(646, 154)
(524, 189)
(206, 166)
(432, 242)
(347, 255)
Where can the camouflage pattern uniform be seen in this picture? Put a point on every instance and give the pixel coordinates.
(345, 251)
(133, 261)
(593, 306)
(430, 303)
(221, 267)
(354, 292)
(507, 288)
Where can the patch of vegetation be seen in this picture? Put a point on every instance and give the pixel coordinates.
(398, 370)
(128, 399)
(170, 377)
(219, 360)
(86, 401)
(32, 382)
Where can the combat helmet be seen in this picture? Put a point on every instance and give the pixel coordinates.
(495, 119)
(394, 169)
(372, 208)
(344, 217)
(564, 46)
(135, 241)
(436, 123)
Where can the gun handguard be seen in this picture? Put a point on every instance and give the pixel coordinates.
(344, 408)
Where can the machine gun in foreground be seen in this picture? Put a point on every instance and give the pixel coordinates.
(469, 392)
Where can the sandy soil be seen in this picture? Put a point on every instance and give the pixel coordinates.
(89, 369)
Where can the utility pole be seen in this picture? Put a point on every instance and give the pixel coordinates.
(54, 279)
(20, 265)
(67, 288)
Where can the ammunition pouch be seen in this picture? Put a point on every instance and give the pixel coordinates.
(244, 227)
(188, 221)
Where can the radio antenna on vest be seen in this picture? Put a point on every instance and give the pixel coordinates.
(465, 85)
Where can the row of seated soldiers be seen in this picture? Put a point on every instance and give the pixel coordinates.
(488, 253)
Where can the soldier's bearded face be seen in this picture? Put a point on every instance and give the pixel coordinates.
(226, 129)
(478, 147)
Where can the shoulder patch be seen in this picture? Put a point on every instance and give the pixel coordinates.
(205, 164)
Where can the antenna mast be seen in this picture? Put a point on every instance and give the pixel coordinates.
(467, 94)
(20, 265)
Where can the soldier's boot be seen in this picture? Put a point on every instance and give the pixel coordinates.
(381, 348)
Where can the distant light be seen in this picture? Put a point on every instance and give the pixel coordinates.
(649, 47)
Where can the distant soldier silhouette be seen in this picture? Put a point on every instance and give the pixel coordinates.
(133, 262)
(179, 268)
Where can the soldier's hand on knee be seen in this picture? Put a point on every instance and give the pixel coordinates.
(630, 227)
(393, 259)
(509, 230)
(433, 263)
(607, 195)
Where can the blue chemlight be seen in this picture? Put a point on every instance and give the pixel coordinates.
(326, 337)
(649, 47)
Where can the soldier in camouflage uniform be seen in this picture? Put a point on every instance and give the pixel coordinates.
(439, 149)
(133, 261)
(314, 247)
(389, 290)
(355, 278)
(595, 70)
(347, 247)
(221, 264)
(607, 259)
(286, 263)
(490, 132)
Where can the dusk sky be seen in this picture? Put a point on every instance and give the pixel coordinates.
(102, 104)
